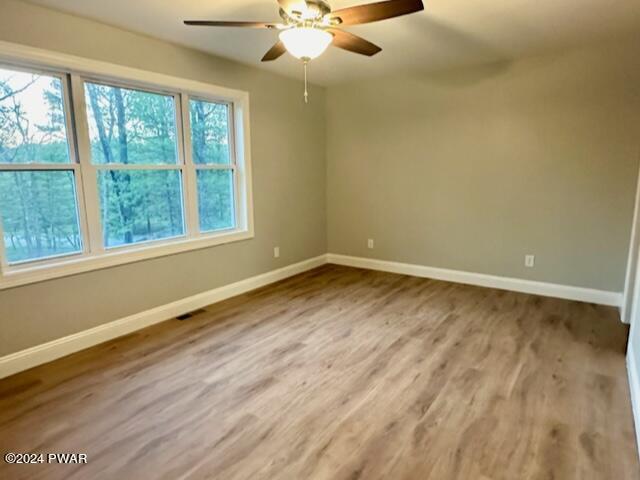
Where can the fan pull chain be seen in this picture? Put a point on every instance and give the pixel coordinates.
(306, 93)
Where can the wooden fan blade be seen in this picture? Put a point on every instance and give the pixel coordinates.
(216, 23)
(353, 43)
(373, 12)
(275, 52)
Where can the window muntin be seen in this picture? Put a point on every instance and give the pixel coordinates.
(176, 211)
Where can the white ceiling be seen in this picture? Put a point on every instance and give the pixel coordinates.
(449, 33)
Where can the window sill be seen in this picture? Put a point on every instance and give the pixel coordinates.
(66, 266)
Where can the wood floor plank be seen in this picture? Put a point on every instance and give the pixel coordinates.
(340, 373)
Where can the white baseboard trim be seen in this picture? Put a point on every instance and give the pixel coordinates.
(634, 387)
(601, 297)
(31, 357)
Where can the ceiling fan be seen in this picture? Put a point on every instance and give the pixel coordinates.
(310, 26)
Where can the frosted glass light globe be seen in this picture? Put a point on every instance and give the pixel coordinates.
(306, 42)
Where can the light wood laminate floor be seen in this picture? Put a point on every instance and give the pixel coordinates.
(340, 373)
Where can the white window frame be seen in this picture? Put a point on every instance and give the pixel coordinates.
(76, 70)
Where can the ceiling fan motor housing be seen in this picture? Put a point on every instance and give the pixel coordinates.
(314, 12)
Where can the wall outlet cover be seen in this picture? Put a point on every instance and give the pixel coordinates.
(529, 261)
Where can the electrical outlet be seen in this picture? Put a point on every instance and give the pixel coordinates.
(529, 261)
(276, 252)
(370, 243)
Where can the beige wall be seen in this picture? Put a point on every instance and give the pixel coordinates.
(473, 169)
(287, 141)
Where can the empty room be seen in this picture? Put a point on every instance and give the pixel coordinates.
(319, 239)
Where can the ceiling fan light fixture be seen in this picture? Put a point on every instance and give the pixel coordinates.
(309, 27)
(306, 43)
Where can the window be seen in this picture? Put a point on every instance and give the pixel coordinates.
(96, 171)
(38, 199)
(134, 149)
(214, 166)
